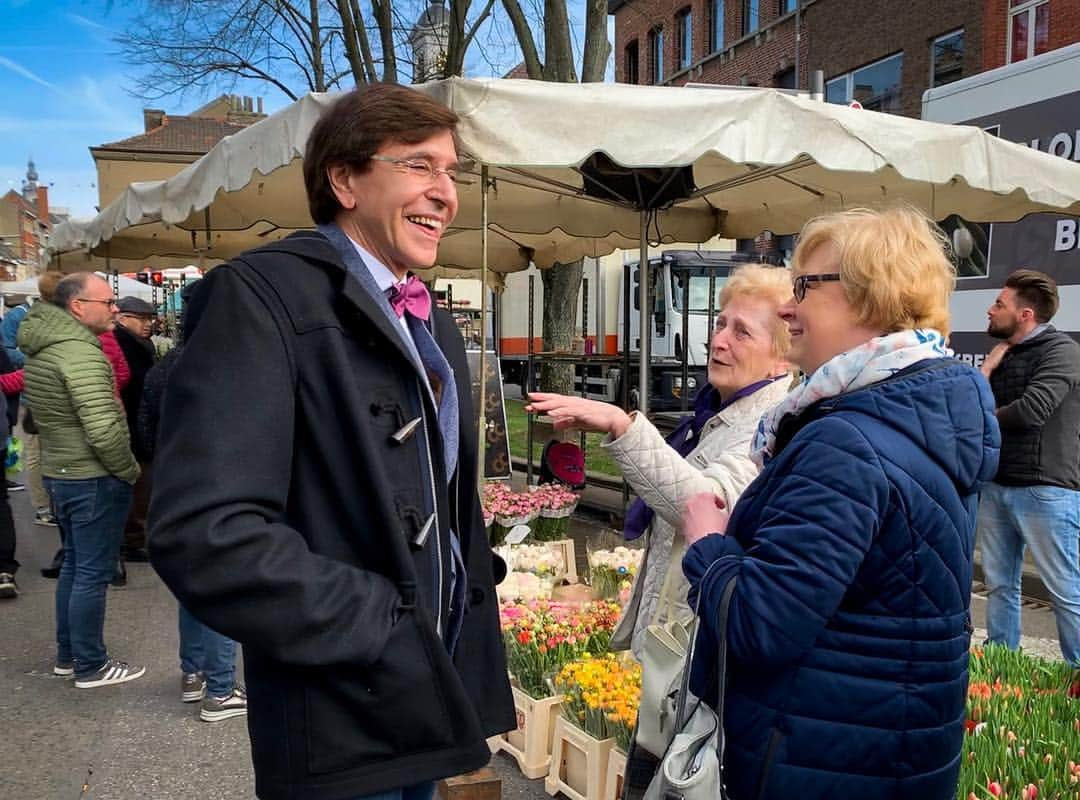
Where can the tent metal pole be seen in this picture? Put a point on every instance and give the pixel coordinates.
(644, 328)
(481, 452)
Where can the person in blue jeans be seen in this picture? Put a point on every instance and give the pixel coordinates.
(207, 659)
(1034, 500)
(86, 462)
(91, 516)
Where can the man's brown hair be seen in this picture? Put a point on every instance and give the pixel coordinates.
(353, 129)
(1035, 290)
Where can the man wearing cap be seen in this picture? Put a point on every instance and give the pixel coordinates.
(134, 323)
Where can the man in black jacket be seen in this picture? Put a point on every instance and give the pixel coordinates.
(321, 503)
(134, 322)
(1034, 500)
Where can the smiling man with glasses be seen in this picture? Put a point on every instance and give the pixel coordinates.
(326, 515)
(86, 462)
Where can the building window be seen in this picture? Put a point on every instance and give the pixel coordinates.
(785, 7)
(656, 54)
(1029, 28)
(876, 86)
(684, 30)
(630, 73)
(716, 31)
(751, 16)
(947, 58)
(785, 79)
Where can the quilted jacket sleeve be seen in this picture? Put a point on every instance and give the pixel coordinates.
(1058, 374)
(89, 382)
(664, 479)
(806, 534)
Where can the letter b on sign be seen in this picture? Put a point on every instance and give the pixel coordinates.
(1065, 238)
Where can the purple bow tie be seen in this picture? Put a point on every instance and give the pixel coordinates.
(413, 297)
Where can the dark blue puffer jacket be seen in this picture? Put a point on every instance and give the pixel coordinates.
(849, 627)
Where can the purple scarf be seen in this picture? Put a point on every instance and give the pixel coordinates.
(707, 404)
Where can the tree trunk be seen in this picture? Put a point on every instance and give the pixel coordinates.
(317, 68)
(561, 286)
(351, 41)
(384, 17)
(597, 47)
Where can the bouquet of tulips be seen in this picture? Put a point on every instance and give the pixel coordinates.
(601, 696)
(555, 503)
(540, 559)
(611, 572)
(524, 586)
(541, 636)
(1023, 728)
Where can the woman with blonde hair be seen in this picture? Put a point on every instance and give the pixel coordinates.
(748, 373)
(849, 624)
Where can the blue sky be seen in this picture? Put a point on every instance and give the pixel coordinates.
(65, 89)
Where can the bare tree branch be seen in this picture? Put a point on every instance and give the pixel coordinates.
(525, 39)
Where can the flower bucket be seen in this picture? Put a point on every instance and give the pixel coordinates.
(579, 763)
(616, 775)
(530, 743)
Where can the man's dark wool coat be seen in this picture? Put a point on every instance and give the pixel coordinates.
(286, 516)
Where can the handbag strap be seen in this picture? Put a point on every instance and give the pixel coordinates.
(681, 717)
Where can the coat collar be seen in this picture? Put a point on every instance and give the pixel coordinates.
(313, 246)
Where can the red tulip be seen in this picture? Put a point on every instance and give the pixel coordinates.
(994, 788)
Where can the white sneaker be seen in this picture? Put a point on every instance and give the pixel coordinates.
(112, 671)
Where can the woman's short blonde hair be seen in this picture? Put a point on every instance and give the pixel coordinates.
(894, 265)
(768, 283)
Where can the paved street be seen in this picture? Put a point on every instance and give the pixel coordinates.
(138, 740)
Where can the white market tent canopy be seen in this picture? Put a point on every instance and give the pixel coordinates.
(126, 288)
(571, 166)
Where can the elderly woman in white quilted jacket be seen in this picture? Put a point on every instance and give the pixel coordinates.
(709, 452)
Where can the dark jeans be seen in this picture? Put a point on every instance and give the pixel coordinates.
(91, 515)
(135, 526)
(7, 533)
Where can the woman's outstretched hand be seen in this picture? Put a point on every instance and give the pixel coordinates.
(579, 413)
(705, 515)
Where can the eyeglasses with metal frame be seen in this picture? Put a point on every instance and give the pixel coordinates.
(800, 284)
(419, 168)
(92, 300)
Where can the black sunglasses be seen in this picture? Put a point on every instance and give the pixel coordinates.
(798, 286)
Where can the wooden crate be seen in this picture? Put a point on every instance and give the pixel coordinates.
(483, 784)
(616, 774)
(579, 763)
(530, 744)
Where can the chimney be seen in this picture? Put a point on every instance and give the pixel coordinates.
(248, 105)
(260, 105)
(43, 204)
(152, 118)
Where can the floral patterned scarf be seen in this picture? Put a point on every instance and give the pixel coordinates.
(861, 366)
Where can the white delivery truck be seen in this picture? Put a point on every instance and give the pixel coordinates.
(1035, 102)
(679, 324)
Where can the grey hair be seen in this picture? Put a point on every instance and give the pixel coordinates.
(69, 288)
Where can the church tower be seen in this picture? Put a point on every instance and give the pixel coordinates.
(428, 40)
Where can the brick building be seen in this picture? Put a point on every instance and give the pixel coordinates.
(1017, 29)
(25, 226)
(882, 53)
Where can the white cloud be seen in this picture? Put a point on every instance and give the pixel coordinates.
(19, 69)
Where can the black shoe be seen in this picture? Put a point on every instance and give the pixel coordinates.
(119, 580)
(12, 486)
(137, 555)
(53, 570)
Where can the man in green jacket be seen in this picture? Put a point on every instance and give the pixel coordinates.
(87, 464)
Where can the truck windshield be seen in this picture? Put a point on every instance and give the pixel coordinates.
(698, 278)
